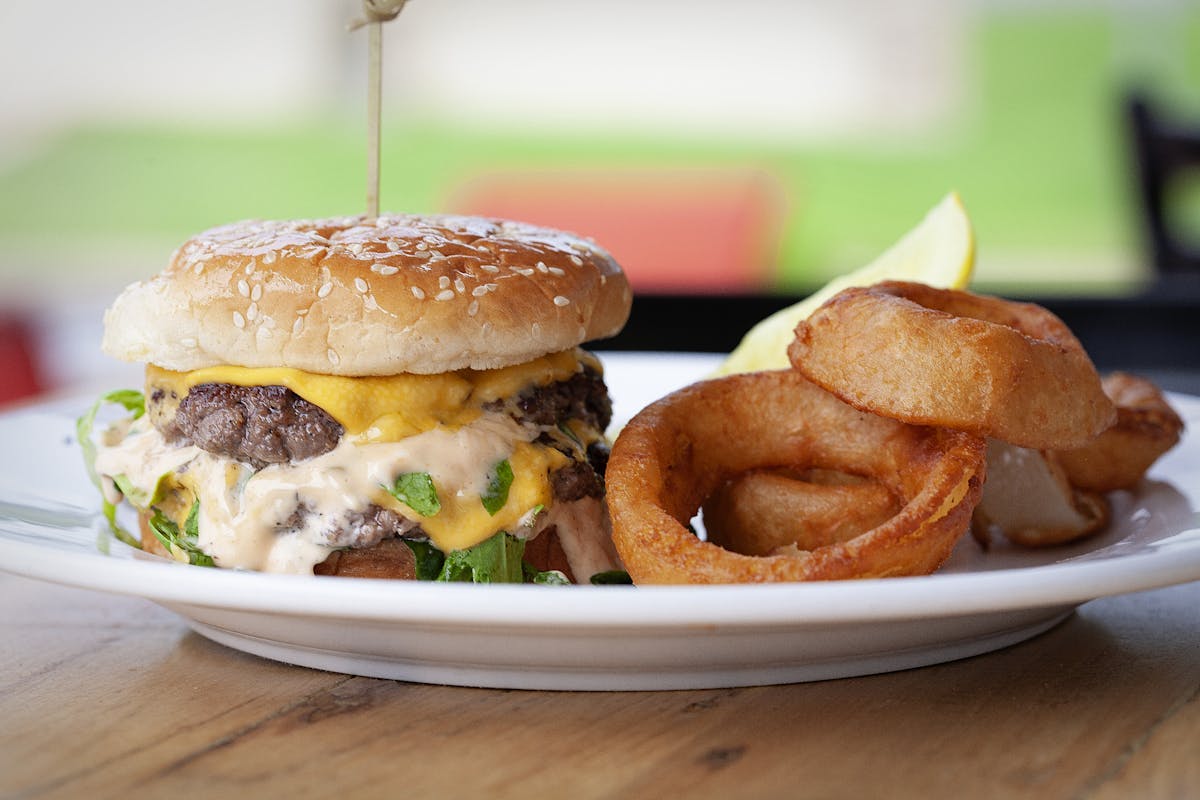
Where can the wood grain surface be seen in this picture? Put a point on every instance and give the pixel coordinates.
(105, 696)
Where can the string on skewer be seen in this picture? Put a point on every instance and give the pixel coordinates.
(375, 13)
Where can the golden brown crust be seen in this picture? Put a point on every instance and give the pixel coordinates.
(926, 356)
(762, 510)
(676, 452)
(1146, 427)
(390, 559)
(357, 296)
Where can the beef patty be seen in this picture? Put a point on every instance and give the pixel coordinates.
(261, 425)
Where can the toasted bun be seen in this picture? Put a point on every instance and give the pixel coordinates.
(358, 296)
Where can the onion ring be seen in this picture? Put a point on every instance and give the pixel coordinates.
(1146, 427)
(926, 356)
(758, 512)
(677, 451)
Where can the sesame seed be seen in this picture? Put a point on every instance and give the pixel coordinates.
(297, 326)
(198, 268)
(332, 356)
(577, 261)
(520, 271)
(560, 301)
(250, 267)
(269, 258)
(542, 268)
(356, 248)
(422, 246)
(473, 309)
(443, 282)
(238, 320)
(479, 291)
(489, 268)
(431, 239)
(325, 289)
(256, 292)
(491, 287)
(394, 246)
(361, 285)
(252, 312)
(243, 289)
(557, 271)
(459, 286)
(387, 269)
(418, 293)
(370, 303)
(443, 295)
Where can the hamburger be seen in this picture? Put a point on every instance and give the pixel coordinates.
(399, 397)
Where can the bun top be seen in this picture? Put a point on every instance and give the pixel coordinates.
(378, 296)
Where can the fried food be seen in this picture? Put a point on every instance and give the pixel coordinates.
(988, 366)
(679, 450)
(1146, 427)
(763, 510)
(1028, 498)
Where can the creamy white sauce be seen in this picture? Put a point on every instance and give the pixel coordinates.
(242, 513)
(583, 531)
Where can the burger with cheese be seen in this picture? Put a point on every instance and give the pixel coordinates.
(401, 396)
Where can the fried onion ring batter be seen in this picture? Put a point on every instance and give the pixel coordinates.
(988, 366)
(1146, 427)
(761, 511)
(677, 451)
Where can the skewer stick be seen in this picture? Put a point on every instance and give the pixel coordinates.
(376, 12)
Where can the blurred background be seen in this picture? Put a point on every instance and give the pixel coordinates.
(716, 148)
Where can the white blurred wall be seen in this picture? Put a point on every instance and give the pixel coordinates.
(773, 68)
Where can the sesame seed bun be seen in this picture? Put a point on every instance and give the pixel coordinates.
(358, 296)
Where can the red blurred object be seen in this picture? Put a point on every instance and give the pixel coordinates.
(673, 230)
(19, 377)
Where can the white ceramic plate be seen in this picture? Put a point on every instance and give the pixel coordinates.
(601, 638)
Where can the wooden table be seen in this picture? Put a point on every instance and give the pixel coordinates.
(106, 696)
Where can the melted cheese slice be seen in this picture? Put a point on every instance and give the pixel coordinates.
(391, 407)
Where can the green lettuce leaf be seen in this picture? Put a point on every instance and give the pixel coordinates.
(416, 490)
(169, 534)
(499, 482)
(134, 402)
(612, 577)
(496, 559)
(429, 559)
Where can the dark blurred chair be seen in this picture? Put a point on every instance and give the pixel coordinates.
(1166, 155)
(19, 375)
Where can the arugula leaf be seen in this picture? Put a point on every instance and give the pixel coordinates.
(612, 577)
(110, 514)
(496, 559)
(168, 533)
(416, 490)
(429, 559)
(499, 482)
(550, 577)
(134, 402)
